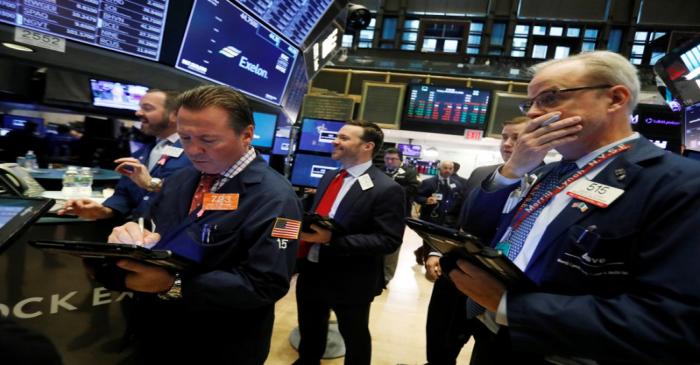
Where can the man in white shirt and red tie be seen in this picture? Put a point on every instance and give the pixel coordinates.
(343, 271)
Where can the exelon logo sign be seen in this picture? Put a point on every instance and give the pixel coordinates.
(233, 52)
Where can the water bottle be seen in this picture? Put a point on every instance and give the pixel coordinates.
(70, 182)
(85, 182)
(30, 162)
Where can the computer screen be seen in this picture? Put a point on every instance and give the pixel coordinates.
(117, 95)
(133, 27)
(265, 125)
(692, 126)
(17, 214)
(225, 45)
(442, 109)
(659, 124)
(680, 71)
(317, 135)
(309, 169)
(409, 150)
(17, 122)
(293, 19)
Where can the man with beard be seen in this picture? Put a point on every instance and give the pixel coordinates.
(144, 172)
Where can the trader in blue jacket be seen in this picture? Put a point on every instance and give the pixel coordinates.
(608, 236)
(146, 170)
(234, 216)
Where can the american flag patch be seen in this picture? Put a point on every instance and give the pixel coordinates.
(286, 228)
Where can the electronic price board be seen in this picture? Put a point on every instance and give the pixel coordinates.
(225, 45)
(133, 27)
(448, 105)
(292, 18)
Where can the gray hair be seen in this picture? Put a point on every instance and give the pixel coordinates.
(603, 67)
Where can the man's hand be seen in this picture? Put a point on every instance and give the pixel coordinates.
(86, 209)
(146, 278)
(134, 170)
(431, 201)
(432, 268)
(478, 285)
(131, 233)
(535, 141)
(320, 235)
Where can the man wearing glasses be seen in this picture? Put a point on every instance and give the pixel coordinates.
(608, 235)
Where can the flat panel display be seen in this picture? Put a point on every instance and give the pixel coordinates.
(317, 135)
(296, 89)
(282, 141)
(265, 124)
(409, 150)
(692, 127)
(227, 46)
(309, 169)
(133, 27)
(659, 124)
(17, 122)
(446, 109)
(680, 71)
(116, 95)
(293, 18)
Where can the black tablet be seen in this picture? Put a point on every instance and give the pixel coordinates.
(447, 240)
(100, 250)
(321, 221)
(17, 214)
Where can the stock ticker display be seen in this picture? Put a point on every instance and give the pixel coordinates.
(133, 27)
(293, 18)
(225, 45)
(463, 107)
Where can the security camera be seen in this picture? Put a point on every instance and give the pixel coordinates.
(358, 17)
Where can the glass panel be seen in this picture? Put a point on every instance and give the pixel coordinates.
(539, 51)
(435, 30)
(637, 50)
(590, 34)
(573, 32)
(640, 36)
(364, 45)
(615, 40)
(366, 35)
(472, 50)
(408, 47)
(411, 24)
(539, 30)
(561, 52)
(450, 45)
(476, 27)
(454, 30)
(655, 56)
(411, 37)
(587, 47)
(429, 45)
(386, 45)
(636, 61)
(522, 29)
(347, 40)
(517, 53)
(389, 29)
(556, 31)
(372, 23)
(658, 35)
(519, 42)
(474, 40)
(498, 34)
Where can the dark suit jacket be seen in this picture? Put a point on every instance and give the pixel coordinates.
(407, 177)
(628, 291)
(350, 268)
(446, 215)
(128, 197)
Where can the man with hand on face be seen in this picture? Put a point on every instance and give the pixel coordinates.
(608, 235)
(237, 218)
(447, 327)
(146, 170)
(344, 271)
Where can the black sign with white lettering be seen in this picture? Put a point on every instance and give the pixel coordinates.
(134, 27)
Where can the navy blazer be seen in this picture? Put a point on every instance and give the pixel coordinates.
(447, 215)
(350, 267)
(129, 198)
(628, 290)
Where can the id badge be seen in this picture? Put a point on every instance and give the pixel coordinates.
(437, 196)
(214, 201)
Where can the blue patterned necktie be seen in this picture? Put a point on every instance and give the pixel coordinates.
(518, 236)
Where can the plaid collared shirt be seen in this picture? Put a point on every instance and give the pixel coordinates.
(235, 169)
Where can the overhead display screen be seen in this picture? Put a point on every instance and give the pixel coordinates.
(293, 18)
(453, 109)
(317, 135)
(265, 125)
(227, 46)
(134, 27)
(680, 71)
(309, 169)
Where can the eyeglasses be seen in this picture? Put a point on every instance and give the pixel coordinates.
(551, 98)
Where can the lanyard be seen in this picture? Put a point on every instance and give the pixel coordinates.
(526, 209)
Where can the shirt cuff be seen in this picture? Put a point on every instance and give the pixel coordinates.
(501, 312)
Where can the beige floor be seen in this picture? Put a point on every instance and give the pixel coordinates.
(397, 320)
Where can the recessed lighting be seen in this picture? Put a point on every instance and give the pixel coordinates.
(17, 47)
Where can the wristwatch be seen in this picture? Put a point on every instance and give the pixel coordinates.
(175, 291)
(155, 184)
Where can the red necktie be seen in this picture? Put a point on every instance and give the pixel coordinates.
(204, 186)
(324, 206)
